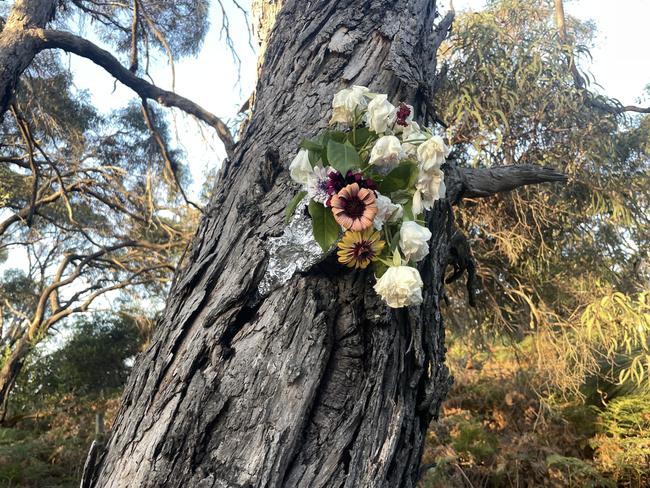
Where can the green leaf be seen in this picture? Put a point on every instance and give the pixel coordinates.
(342, 157)
(311, 145)
(398, 179)
(315, 149)
(334, 135)
(408, 210)
(379, 269)
(291, 208)
(324, 227)
(359, 136)
(314, 157)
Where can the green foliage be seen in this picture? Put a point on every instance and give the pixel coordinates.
(471, 439)
(27, 460)
(495, 429)
(291, 208)
(622, 445)
(576, 472)
(342, 157)
(94, 359)
(51, 421)
(47, 448)
(324, 227)
(174, 28)
(398, 179)
(549, 253)
(620, 326)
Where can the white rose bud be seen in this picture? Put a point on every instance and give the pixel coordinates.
(432, 153)
(346, 102)
(400, 286)
(381, 114)
(412, 137)
(429, 187)
(413, 240)
(300, 169)
(386, 153)
(387, 211)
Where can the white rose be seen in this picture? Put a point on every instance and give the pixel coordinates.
(381, 114)
(432, 153)
(400, 286)
(429, 187)
(300, 168)
(386, 152)
(346, 102)
(413, 132)
(412, 137)
(413, 240)
(387, 211)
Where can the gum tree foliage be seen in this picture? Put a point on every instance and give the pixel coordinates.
(90, 209)
(94, 360)
(563, 264)
(92, 204)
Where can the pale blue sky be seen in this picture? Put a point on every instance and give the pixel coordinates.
(620, 64)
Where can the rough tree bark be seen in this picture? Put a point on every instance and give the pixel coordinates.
(317, 384)
(17, 45)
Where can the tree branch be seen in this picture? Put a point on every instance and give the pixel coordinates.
(51, 39)
(484, 182)
(164, 152)
(579, 81)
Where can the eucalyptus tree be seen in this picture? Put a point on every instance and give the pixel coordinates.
(315, 383)
(511, 97)
(86, 210)
(94, 204)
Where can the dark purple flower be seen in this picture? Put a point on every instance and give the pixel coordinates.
(403, 113)
(336, 181)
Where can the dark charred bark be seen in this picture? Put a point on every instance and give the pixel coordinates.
(317, 384)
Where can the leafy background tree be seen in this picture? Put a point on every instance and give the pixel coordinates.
(559, 334)
(551, 366)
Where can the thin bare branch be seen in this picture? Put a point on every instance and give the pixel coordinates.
(171, 165)
(51, 39)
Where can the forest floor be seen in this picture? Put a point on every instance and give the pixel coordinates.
(495, 430)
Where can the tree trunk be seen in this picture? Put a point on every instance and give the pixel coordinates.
(318, 383)
(10, 370)
(18, 46)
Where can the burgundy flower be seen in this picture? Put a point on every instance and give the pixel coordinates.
(337, 181)
(403, 113)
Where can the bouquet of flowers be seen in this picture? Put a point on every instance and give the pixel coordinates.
(369, 178)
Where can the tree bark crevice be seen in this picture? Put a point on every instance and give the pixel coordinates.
(320, 385)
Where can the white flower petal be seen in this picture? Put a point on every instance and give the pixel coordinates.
(400, 286)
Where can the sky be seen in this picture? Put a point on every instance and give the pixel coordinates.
(620, 65)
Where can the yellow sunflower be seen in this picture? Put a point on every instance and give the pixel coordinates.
(359, 249)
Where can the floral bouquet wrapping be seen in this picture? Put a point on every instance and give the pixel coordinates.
(369, 178)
